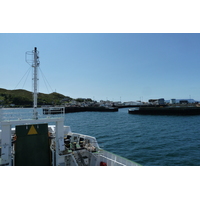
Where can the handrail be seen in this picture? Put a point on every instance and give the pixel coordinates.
(107, 158)
(13, 114)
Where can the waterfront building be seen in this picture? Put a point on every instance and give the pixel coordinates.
(161, 101)
(183, 101)
(172, 101)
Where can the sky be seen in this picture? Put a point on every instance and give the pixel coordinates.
(109, 49)
(104, 50)
(105, 66)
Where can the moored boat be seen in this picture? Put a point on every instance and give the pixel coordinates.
(57, 110)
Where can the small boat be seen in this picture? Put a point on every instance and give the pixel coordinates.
(57, 110)
(45, 141)
(53, 110)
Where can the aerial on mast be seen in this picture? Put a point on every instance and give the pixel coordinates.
(32, 58)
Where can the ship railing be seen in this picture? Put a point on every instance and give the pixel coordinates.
(13, 114)
(114, 160)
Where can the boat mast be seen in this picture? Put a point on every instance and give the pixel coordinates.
(32, 58)
(35, 79)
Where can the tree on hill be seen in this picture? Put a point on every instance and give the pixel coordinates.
(25, 98)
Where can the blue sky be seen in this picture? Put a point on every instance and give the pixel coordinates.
(126, 66)
(104, 66)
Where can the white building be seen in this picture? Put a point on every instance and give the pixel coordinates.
(172, 101)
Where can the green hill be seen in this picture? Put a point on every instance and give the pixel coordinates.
(25, 98)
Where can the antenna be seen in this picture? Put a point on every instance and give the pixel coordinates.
(32, 58)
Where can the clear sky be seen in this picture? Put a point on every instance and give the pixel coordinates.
(123, 66)
(127, 66)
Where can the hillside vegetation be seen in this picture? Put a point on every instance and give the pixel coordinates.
(25, 98)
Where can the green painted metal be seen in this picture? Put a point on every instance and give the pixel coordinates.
(32, 145)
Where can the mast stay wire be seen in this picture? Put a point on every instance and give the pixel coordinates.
(27, 73)
(45, 81)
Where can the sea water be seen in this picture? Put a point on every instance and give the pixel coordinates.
(146, 139)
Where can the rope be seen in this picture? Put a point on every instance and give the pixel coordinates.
(27, 72)
(45, 81)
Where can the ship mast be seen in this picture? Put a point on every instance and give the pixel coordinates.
(32, 58)
(35, 79)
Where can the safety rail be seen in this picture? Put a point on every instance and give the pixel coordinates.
(114, 160)
(14, 114)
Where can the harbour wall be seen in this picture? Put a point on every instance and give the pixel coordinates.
(167, 110)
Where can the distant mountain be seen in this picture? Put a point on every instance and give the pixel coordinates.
(25, 98)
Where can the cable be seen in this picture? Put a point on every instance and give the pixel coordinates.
(45, 81)
(26, 77)
(28, 71)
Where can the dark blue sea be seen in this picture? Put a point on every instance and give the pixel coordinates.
(146, 139)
